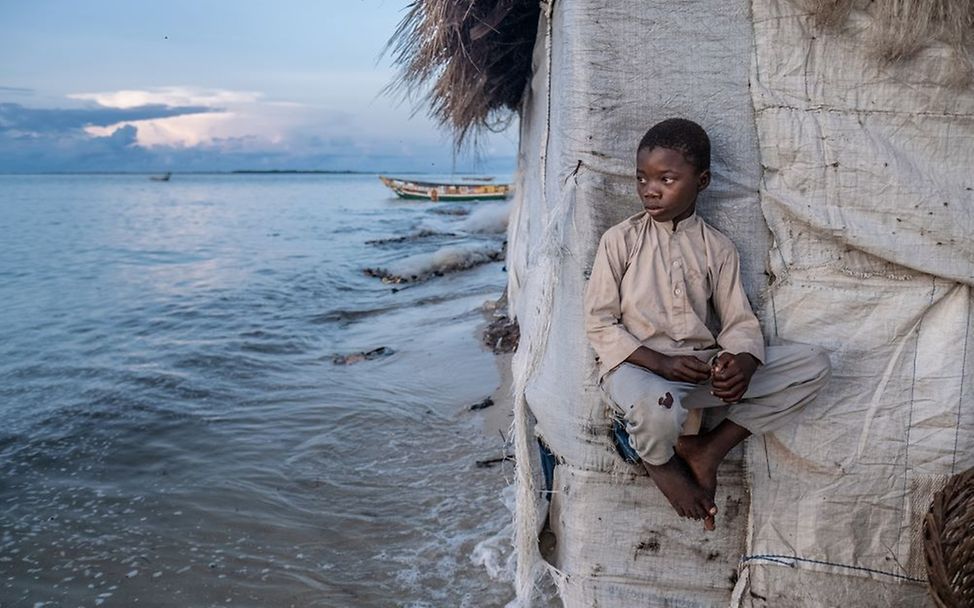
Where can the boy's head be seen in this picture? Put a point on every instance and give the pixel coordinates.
(682, 135)
(672, 167)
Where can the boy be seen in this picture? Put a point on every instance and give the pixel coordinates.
(660, 280)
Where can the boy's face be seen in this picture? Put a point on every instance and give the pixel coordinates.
(667, 184)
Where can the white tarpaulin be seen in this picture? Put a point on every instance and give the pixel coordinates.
(867, 189)
(862, 172)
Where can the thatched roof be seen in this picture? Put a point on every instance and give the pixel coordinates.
(904, 27)
(469, 59)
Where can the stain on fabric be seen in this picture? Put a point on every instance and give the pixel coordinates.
(650, 545)
(732, 508)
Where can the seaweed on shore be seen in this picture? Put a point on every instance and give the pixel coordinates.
(486, 403)
(502, 334)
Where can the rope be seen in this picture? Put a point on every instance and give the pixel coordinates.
(791, 562)
(909, 422)
(963, 374)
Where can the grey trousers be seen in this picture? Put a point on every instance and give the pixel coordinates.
(790, 378)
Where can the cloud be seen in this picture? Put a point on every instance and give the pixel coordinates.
(188, 129)
(169, 96)
(228, 115)
(119, 151)
(178, 131)
(16, 90)
(17, 117)
(122, 138)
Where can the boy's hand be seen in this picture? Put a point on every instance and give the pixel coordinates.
(732, 375)
(684, 368)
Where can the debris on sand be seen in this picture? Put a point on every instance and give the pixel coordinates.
(486, 403)
(386, 276)
(486, 464)
(502, 334)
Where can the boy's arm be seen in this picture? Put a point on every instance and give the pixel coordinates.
(683, 368)
(603, 306)
(740, 331)
(740, 336)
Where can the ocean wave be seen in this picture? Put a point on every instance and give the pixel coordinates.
(488, 219)
(450, 210)
(421, 267)
(422, 233)
(495, 553)
(344, 315)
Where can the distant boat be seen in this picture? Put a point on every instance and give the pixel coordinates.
(161, 178)
(438, 191)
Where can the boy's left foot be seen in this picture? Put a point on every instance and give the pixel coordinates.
(703, 454)
(703, 462)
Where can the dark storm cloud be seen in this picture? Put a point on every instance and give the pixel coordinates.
(53, 140)
(15, 117)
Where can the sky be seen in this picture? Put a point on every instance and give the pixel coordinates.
(110, 85)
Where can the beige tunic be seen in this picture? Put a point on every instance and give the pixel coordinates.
(664, 289)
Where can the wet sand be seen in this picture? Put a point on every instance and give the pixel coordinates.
(498, 417)
(499, 335)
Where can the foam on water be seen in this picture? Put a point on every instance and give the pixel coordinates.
(487, 219)
(495, 553)
(451, 258)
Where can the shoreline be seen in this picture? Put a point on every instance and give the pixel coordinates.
(499, 335)
(497, 418)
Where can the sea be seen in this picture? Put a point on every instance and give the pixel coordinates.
(209, 396)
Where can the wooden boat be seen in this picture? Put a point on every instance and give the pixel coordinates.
(438, 191)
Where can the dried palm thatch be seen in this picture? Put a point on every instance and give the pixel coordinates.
(904, 27)
(948, 543)
(469, 60)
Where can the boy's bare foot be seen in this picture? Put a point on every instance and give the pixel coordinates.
(694, 450)
(703, 463)
(703, 453)
(675, 480)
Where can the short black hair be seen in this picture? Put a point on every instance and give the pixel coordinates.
(682, 135)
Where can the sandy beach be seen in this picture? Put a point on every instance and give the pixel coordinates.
(499, 335)
(497, 418)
